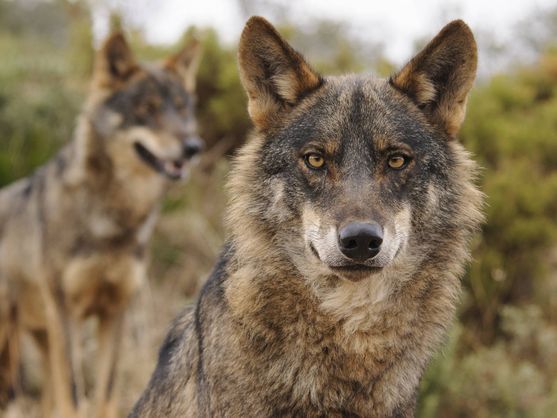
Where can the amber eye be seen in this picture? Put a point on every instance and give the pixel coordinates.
(314, 161)
(397, 162)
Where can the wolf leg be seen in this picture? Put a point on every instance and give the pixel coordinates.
(9, 343)
(41, 339)
(60, 356)
(9, 358)
(110, 337)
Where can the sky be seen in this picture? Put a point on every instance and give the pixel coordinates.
(396, 23)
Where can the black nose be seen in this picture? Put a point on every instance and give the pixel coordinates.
(192, 146)
(360, 241)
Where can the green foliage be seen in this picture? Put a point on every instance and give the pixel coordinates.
(40, 89)
(32, 129)
(511, 127)
(37, 110)
(222, 103)
(512, 378)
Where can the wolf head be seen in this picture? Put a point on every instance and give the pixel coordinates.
(143, 116)
(353, 176)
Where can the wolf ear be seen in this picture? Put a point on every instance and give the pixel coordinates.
(439, 78)
(274, 75)
(186, 63)
(114, 63)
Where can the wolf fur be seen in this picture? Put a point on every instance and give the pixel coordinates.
(287, 324)
(73, 235)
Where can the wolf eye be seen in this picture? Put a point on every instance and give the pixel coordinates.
(398, 161)
(314, 161)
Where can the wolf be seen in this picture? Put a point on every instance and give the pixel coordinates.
(73, 235)
(352, 207)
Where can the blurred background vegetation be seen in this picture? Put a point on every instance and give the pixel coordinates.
(501, 358)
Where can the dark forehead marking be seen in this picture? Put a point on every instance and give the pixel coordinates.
(357, 128)
(162, 77)
(167, 83)
(154, 81)
(153, 84)
(358, 108)
(360, 113)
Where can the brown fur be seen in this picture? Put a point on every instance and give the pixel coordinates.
(429, 80)
(281, 329)
(73, 234)
(269, 97)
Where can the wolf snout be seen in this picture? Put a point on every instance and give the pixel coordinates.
(192, 146)
(360, 241)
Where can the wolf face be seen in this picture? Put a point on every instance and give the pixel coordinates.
(357, 168)
(145, 114)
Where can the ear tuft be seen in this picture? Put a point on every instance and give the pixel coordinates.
(186, 63)
(439, 78)
(115, 62)
(274, 75)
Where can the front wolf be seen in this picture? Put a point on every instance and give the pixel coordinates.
(352, 209)
(73, 235)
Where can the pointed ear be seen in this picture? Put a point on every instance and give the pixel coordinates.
(186, 63)
(439, 78)
(274, 75)
(114, 63)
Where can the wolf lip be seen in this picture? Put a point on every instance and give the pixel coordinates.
(174, 170)
(355, 267)
(355, 272)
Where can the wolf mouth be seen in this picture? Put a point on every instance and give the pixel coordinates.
(352, 272)
(354, 268)
(355, 272)
(172, 169)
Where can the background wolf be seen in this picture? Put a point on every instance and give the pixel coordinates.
(352, 207)
(73, 235)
